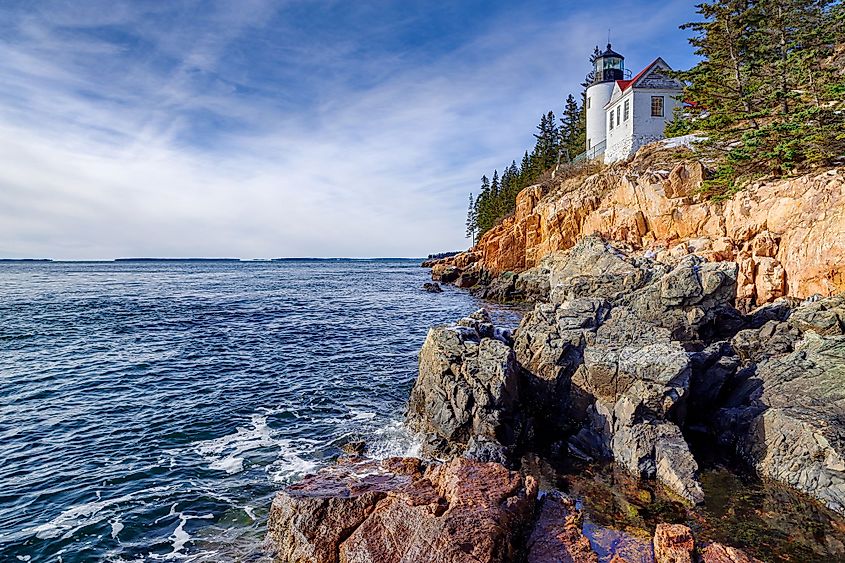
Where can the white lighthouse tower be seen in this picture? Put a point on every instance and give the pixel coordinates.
(610, 67)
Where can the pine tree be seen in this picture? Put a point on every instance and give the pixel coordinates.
(483, 214)
(572, 135)
(472, 221)
(547, 142)
(767, 89)
(591, 76)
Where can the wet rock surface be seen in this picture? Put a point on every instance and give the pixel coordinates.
(404, 510)
(557, 533)
(400, 510)
(673, 543)
(785, 413)
(630, 356)
(432, 287)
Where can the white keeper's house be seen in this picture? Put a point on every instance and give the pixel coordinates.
(624, 114)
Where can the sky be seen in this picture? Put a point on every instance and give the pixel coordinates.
(270, 128)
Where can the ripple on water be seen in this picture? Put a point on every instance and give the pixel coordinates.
(150, 411)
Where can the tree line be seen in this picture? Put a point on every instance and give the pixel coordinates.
(554, 143)
(768, 92)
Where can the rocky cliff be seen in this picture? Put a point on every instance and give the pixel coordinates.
(662, 320)
(787, 236)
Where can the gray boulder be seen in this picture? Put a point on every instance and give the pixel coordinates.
(607, 359)
(694, 299)
(549, 346)
(638, 379)
(533, 284)
(467, 387)
(787, 418)
(595, 269)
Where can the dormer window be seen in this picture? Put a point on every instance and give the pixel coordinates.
(657, 106)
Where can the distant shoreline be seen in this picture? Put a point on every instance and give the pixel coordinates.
(201, 260)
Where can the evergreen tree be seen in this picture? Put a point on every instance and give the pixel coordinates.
(547, 142)
(495, 195)
(591, 76)
(483, 215)
(472, 221)
(572, 135)
(768, 90)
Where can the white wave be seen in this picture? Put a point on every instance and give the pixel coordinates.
(290, 465)
(226, 453)
(361, 415)
(179, 538)
(394, 440)
(77, 517)
(116, 527)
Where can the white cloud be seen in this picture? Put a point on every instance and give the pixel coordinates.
(101, 162)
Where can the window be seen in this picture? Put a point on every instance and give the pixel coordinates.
(588, 103)
(589, 142)
(618, 113)
(627, 109)
(610, 115)
(657, 106)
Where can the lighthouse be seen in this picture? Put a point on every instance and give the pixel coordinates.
(609, 67)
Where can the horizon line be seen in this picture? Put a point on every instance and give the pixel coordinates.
(208, 259)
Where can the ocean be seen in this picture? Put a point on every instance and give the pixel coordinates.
(150, 410)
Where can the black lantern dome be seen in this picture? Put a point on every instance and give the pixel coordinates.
(610, 66)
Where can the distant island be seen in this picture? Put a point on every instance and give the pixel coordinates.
(26, 259)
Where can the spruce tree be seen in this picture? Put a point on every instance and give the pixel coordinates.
(571, 132)
(483, 212)
(472, 221)
(767, 90)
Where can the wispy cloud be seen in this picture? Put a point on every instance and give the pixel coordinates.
(241, 129)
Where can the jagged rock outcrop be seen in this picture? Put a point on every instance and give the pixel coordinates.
(634, 380)
(787, 236)
(608, 353)
(400, 510)
(785, 411)
(631, 352)
(462, 511)
(467, 390)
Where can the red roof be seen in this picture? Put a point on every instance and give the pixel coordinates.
(625, 84)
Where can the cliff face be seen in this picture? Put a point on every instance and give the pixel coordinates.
(788, 236)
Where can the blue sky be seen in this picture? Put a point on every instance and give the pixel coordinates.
(257, 128)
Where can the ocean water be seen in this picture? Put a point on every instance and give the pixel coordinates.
(148, 411)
